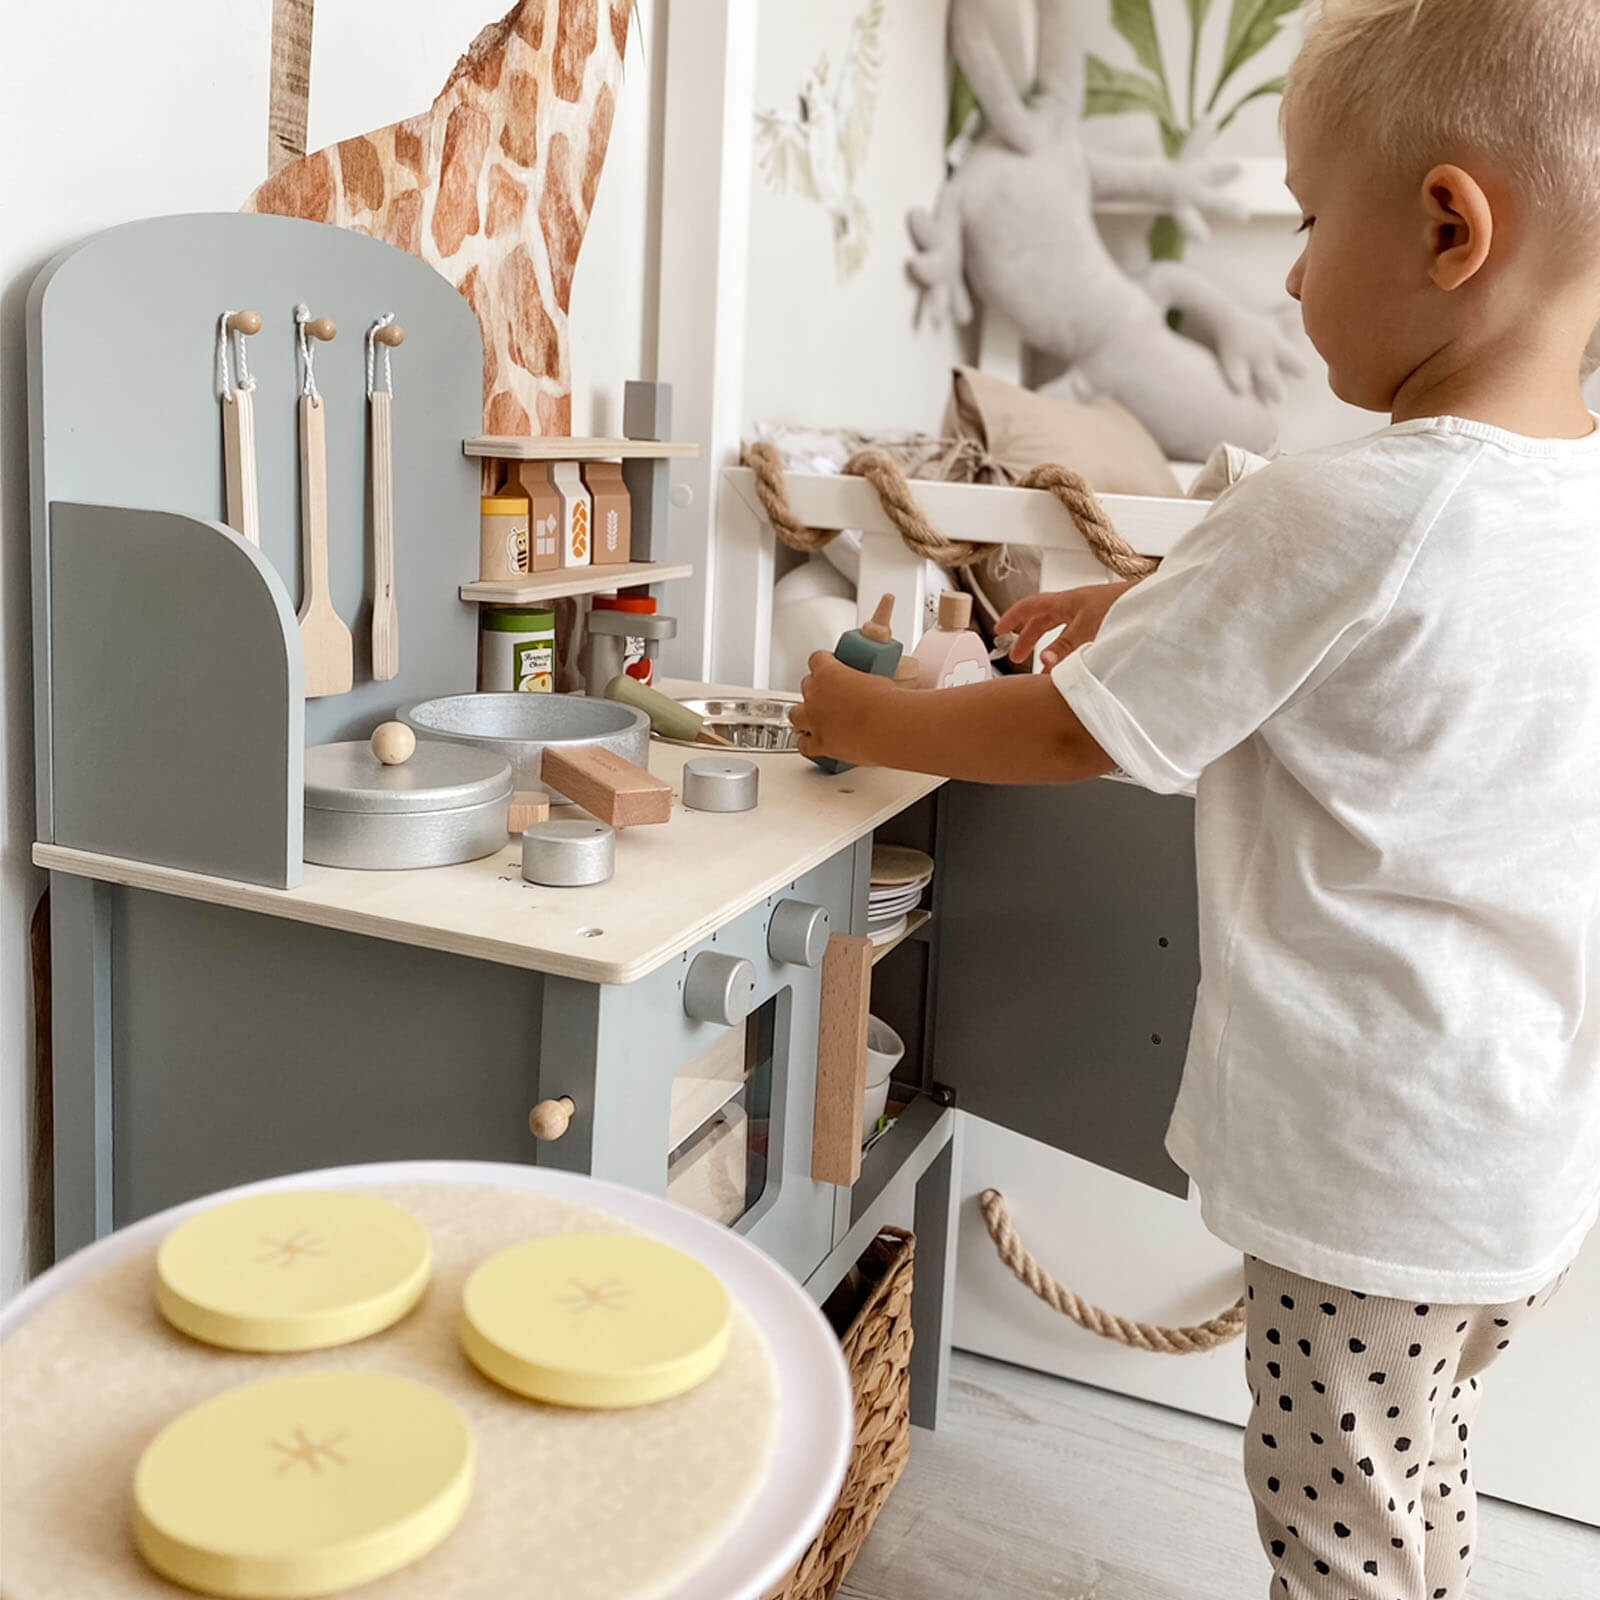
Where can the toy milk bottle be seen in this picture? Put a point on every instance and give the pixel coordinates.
(576, 536)
(613, 513)
(503, 539)
(952, 654)
(544, 515)
(869, 648)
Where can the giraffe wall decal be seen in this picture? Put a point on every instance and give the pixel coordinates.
(493, 186)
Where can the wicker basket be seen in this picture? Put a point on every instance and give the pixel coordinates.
(876, 1335)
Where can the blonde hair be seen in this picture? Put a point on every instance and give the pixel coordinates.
(1428, 80)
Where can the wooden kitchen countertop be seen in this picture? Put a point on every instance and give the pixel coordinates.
(674, 884)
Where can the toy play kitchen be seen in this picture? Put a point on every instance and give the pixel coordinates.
(291, 923)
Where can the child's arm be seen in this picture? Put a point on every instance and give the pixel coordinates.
(1011, 730)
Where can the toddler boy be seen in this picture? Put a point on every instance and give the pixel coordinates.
(1379, 666)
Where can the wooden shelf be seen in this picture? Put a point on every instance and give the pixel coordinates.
(916, 921)
(568, 581)
(519, 447)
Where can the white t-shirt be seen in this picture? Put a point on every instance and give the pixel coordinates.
(1379, 665)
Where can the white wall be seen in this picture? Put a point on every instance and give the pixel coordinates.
(168, 113)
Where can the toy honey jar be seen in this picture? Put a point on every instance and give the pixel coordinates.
(503, 547)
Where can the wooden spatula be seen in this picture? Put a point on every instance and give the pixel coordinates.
(329, 648)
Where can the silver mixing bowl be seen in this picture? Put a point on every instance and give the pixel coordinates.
(758, 722)
(519, 727)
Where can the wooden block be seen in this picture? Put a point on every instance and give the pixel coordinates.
(528, 806)
(606, 786)
(842, 1059)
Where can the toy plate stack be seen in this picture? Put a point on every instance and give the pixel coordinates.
(899, 879)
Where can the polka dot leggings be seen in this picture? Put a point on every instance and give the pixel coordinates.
(1357, 1449)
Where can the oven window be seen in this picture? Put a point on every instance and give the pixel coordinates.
(720, 1127)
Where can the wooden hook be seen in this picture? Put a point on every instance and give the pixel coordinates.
(391, 334)
(246, 322)
(321, 328)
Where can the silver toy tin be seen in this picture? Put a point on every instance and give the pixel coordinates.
(517, 727)
(569, 854)
(720, 783)
(445, 804)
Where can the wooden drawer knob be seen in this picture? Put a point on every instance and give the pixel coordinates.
(551, 1118)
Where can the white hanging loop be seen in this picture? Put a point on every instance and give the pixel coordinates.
(308, 379)
(373, 341)
(227, 382)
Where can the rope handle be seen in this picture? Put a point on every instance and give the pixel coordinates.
(899, 504)
(1158, 1340)
(235, 326)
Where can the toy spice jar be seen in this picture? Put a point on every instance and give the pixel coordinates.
(503, 549)
(516, 650)
(544, 515)
(613, 513)
(577, 514)
(636, 660)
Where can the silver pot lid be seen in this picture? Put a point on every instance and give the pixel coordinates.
(438, 777)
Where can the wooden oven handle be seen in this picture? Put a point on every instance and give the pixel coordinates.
(841, 1059)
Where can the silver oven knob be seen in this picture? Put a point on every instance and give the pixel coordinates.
(719, 988)
(798, 933)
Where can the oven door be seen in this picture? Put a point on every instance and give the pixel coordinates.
(715, 1110)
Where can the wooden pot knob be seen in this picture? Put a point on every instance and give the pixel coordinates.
(393, 743)
(551, 1118)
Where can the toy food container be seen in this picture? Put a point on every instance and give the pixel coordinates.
(446, 804)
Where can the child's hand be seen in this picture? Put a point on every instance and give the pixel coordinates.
(837, 715)
(1077, 612)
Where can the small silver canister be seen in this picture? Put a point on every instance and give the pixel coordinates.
(720, 783)
(447, 803)
(568, 854)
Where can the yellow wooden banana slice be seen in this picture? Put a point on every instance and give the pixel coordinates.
(595, 1320)
(302, 1485)
(297, 1269)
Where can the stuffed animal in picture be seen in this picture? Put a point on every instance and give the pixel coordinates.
(1014, 227)
(493, 185)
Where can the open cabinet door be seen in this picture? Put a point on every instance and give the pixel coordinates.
(1068, 965)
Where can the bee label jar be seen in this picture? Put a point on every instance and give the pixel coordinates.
(577, 515)
(516, 650)
(503, 548)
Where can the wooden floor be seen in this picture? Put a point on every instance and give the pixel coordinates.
(1040, 1487)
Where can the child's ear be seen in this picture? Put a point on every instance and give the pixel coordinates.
(1460, 224)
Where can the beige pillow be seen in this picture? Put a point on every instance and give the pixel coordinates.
(1021, 430)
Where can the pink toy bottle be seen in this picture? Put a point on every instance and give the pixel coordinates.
(952, 653)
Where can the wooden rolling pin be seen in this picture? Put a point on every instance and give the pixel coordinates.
(667, 717)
